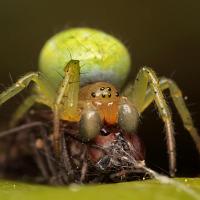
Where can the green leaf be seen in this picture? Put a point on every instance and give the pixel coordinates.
(148, 189)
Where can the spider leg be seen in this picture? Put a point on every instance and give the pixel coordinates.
(22, 109)
(55, 176)
(42, 89)
(66, 103)
(39, 160)
(48, 152)
(147, 78)
(67, 161)
(84, 167)
(179, 102)
(42, 84)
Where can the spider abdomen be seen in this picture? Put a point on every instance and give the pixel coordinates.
(102, 57)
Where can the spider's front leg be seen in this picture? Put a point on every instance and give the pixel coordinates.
(66, 103)
(67, 107)
(40, 81)
(43, 93)
(147, 78)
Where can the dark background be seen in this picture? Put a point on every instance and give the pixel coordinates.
(162, 34)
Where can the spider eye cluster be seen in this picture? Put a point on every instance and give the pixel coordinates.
(104, 92)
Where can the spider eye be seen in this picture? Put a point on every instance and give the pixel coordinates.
(93, 94)
(117, 94)
(109, 89)
(102, 88)
(103, 95)
(128, 117)
(109, 95)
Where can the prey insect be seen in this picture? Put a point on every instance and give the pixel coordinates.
(93, 121)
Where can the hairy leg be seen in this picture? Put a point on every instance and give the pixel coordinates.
(147, 78)
(42, 84)
(66, 103)
(179, 102)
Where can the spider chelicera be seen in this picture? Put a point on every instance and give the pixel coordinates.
(80, 70)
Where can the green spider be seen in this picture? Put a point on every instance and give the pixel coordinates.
(79, 71)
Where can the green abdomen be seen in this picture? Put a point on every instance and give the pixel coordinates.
(102, 57)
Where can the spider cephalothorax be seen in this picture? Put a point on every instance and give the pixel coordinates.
(78, 71)
(105, 107)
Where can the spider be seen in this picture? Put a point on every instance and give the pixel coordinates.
(81, 73)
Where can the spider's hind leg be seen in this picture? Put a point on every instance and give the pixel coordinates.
(179, 102)
(145, 79)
